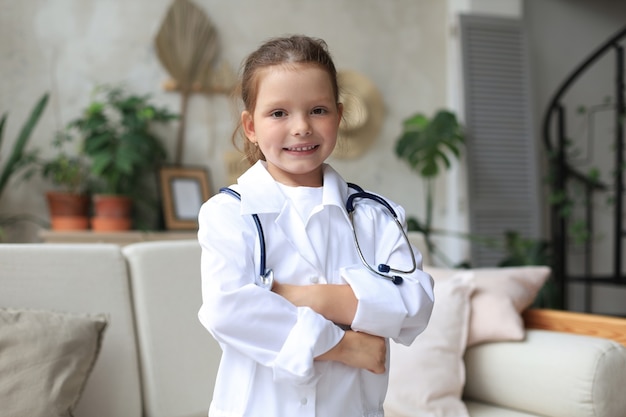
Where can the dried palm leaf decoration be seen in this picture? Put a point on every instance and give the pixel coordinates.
(186, 45)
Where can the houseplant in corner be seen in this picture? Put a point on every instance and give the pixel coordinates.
(123, 152)
(19, 157)
(426, 145)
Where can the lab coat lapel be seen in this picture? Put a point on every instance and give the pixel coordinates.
(261, 194)
(293, 229)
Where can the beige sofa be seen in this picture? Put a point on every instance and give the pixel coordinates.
(156, 360)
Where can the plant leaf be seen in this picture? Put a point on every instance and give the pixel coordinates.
(425, 143)
(17, 154)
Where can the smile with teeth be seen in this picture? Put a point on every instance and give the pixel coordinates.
(301, 148)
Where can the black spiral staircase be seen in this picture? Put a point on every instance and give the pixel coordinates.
(563, 174)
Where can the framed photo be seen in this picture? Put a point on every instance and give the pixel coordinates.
(183, 190)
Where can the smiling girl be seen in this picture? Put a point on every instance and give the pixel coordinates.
(314, 342)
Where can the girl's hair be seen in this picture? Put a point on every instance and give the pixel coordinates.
(295, 49)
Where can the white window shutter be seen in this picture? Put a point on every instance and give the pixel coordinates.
(503, 177)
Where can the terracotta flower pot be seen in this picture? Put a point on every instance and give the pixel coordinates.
(68, 211)
(105, 205)
(110, 224)
(69, 222)
(111, 212)
(67, 204)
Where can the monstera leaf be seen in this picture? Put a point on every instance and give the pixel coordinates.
(425, 144)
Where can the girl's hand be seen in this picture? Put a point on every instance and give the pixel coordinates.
(359, 350)
(336, 303)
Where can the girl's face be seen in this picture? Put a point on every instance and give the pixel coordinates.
(295, 122)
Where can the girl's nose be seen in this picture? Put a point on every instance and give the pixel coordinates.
(301, 127)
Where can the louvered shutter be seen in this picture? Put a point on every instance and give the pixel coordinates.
(501, 147)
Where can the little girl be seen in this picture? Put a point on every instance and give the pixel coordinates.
(314, 341)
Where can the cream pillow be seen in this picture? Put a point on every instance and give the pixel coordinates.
(426, 379)
(45, 360)
(500, 297)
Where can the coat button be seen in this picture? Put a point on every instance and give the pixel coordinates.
(303, 401)
(314, 279)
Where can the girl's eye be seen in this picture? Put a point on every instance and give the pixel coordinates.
(319, 110)
(277, 114)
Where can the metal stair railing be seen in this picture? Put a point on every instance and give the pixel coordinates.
(563, 173)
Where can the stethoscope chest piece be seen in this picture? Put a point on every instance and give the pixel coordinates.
(266, 280)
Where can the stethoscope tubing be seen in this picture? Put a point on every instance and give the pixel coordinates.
(383, 269)
(266, 276)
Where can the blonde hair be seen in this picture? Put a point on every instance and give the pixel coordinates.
(297, 49)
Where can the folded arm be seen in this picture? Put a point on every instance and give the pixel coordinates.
(338, 304)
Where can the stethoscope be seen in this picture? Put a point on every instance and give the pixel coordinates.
(266, 276)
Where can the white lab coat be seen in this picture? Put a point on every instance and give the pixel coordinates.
(269, 345)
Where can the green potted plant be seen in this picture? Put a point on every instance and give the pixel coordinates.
(426, 145)
(68, 200)
(123, 153)
(19, 157)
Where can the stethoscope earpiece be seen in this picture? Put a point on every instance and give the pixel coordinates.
(384, 268)
(396, 279)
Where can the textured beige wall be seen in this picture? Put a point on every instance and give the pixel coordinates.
(68, 46)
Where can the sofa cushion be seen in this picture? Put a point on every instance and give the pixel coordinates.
(179, 358)
(477, 409)
(427, 377)
(82, 278)
(500, 297)
(556, 374)
(45, 360)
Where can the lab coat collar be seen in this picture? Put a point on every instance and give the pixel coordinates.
(261, 194)
(259, 191)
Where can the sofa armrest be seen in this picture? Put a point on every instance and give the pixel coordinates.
(554, 374)
(613, 328)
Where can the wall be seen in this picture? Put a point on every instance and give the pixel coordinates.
(68, 46)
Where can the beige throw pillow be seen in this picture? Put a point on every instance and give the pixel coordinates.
(426, 379)
(45, 360)
(500, 297)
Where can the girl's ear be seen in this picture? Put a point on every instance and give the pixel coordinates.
(340, 111)
(247, 123)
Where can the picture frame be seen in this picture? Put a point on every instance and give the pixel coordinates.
(183, 191)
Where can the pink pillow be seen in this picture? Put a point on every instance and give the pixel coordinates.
(500, 297)
(427, 378)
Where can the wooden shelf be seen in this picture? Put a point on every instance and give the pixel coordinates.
(119, 238)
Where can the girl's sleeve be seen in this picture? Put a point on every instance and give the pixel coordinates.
(400, 312)
(253, 320)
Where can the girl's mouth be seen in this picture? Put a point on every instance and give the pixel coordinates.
(301, 148)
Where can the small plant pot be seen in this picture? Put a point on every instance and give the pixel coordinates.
(110, 224)
(68, 211)
(111, 213)
(105, 205)
(69, 222)
(67, 204)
